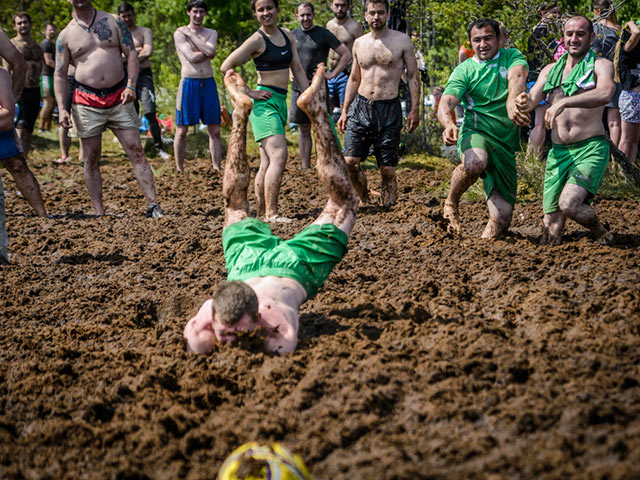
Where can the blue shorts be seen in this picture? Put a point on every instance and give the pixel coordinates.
(8, 146)
(197, 101)
(337, 87)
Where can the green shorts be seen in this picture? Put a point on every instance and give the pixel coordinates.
(500, 173)
(46, 86)
(251, 250)
(581, 163)
(269, 116)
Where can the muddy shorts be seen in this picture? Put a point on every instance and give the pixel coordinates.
(582, 163)
(28, 108)
(630, 106)
(376, 123)
(251, 250)
(197, 101)
(500, 173)
(90, 121)
(8, 145)
(145, 91)
(269, 117)
(295, 114)
(46, 86)
(337, 88)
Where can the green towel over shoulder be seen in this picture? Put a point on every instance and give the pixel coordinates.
(581, 76)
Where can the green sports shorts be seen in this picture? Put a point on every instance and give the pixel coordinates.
(251, 250)
(581, 163)
(269, 116)
(501, 171)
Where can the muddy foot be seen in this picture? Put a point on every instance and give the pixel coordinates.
(238, 91)
(450, 212)
(310, 97)
(277, 219)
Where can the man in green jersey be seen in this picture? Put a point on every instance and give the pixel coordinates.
(487, 84)
(578, 86)
(268, 279)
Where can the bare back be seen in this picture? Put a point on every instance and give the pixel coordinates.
(381, 63)
(142, 36)
(195, 64)
(96, 52)
(32, 54)
(576, 124)
(346, 33)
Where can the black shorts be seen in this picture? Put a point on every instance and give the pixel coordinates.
(71, 86)
(376, 123)
(28, 108)
(295, 114)
(146, 91)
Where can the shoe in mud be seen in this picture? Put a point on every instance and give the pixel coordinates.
(154, 211)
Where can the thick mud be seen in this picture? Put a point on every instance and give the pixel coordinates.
(424, 356)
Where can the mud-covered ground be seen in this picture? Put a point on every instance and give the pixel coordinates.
(424, 356)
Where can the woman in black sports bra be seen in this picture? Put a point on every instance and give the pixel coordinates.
(274, 52)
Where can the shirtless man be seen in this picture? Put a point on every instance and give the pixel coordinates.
(577, 86)
(346, 29)
(197, 93)
(12, 158)
(487, 84)
(313, 44)
(145, 90)
(48, 46)
(379, 59)
(94, 41)
(29, 102)
(269, 279)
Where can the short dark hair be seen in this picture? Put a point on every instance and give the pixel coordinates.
(602, 5)
(253, 5)
(588, 20)
(482, 23)
(50, 23)
(126, 7)
(304, 5)
(385, 2)
(196, 4)
(232, 300)
(21, 14)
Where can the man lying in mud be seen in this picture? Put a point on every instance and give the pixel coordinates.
(577, 86)
(268, 279)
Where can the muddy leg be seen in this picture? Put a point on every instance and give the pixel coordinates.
(500, 212)
(389, 186)
(26, 182)
(474, 161)
(572, 204)
(552, 226)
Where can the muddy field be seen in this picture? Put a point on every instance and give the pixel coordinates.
(425, 356)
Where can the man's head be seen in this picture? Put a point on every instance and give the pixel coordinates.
(340, 8)
(22, 23)
(578, 35)
(305, 15)
(233, 308)
(50, 31)
(484, 35)
(377, 14)
(196, 9)
(127, 13)
(603, 8)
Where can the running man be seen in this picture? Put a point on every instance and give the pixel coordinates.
(29, 102)
(346, 29)
(197, 93)
(269, 279)
(94, 41)
(372, 102)
(578, 87)
(313, 44)
(48, 46)
(487, 84)
(145, 90)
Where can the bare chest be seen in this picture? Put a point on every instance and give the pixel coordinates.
(101, 36)
(377, 53)
(138, 38)
(30, 50)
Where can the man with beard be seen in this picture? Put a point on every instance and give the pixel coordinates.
(145, 90)
(577, 86)
(346, 29)
(313, 44)
(487, 84)
(94, 41)
(372, 103)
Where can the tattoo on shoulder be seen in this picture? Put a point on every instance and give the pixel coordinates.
(59, 45)
(127, 39)
(102, 30)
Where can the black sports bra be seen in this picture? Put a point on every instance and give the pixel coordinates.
(274, 57)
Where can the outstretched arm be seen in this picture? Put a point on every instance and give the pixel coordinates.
(517, 78)
(235, 181)
(16, 61)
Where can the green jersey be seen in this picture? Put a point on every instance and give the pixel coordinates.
(483, 87)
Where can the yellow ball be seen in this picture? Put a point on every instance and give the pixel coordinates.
(253, 461)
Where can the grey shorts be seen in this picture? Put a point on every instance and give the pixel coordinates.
(146, 91)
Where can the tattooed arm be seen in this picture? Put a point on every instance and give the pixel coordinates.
(133, 66)
(63, 56)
